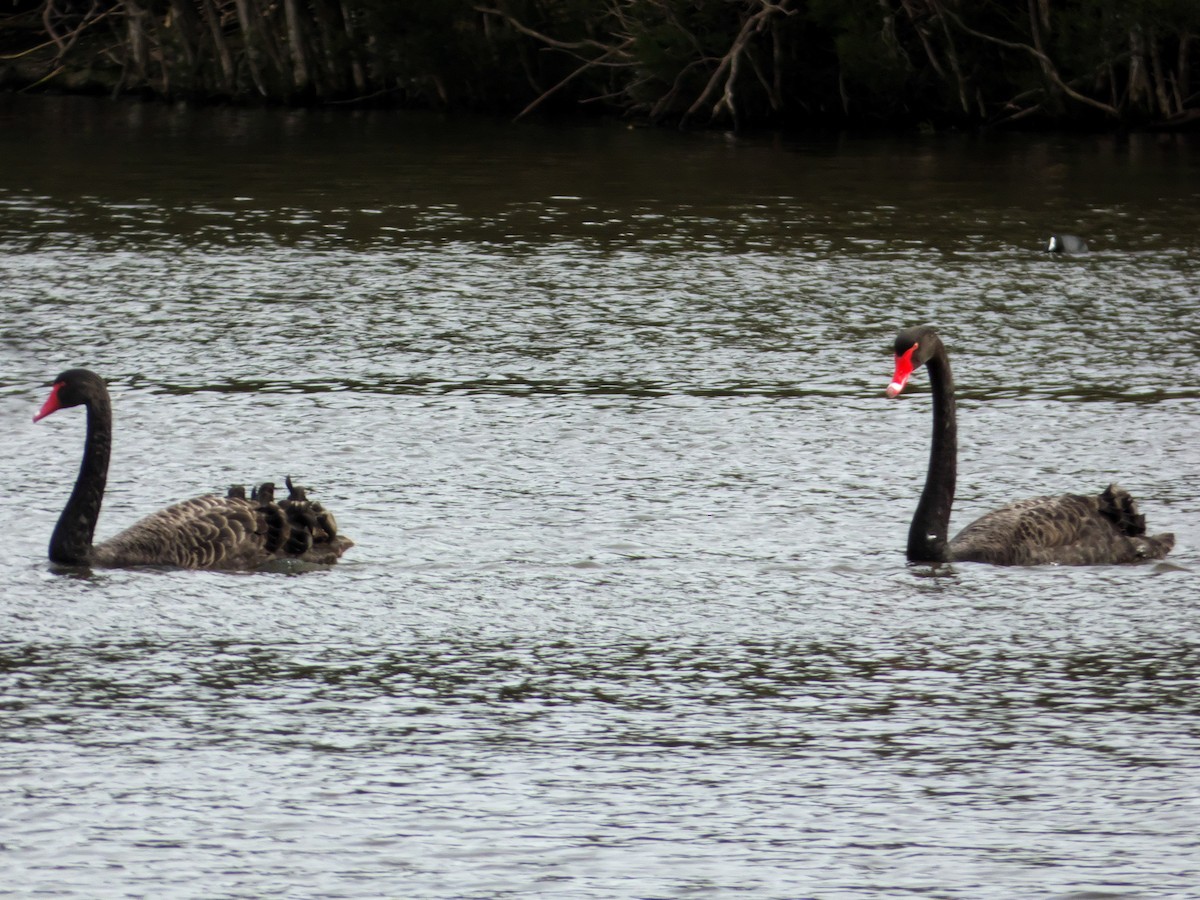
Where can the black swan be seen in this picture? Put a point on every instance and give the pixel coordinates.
(1066, 243)
(1072, 529)
(209, 532)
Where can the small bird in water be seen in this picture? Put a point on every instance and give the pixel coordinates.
(1068, 244)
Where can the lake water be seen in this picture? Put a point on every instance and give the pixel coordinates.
(628, 614)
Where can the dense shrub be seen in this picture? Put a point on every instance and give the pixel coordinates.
(1101, 63)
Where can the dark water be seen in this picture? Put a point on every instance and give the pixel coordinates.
(603, 409)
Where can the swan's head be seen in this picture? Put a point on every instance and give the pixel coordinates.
(914, 347)
(72, 388)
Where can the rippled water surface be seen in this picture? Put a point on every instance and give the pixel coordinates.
(628, 614)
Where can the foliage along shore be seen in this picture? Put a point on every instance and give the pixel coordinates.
(1097, 64)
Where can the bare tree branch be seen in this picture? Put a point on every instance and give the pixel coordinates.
(537, 35)
(1048, 66)
(730, 63)
(600, 61)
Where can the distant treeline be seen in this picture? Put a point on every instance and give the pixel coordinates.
(739, 63)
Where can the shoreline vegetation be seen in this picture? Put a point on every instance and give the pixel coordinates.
(734, 64)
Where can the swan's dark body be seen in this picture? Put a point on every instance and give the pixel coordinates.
(208, 532)
(1071, 529)
(1069, 244)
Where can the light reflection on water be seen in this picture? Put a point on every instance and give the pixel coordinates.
(627, 614)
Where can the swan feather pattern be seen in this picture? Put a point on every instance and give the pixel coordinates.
(213, 532)
(1067, 530)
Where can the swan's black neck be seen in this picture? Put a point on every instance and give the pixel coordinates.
(927, 540)
(71, 543)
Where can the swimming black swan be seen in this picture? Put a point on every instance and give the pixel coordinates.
(209, 532)
(1066, 243)
(1072, 529)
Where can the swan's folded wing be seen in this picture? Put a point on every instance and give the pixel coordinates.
(1070, 529)
(207, 532)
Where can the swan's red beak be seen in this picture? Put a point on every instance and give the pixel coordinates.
(904, 368)
(51, 403)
